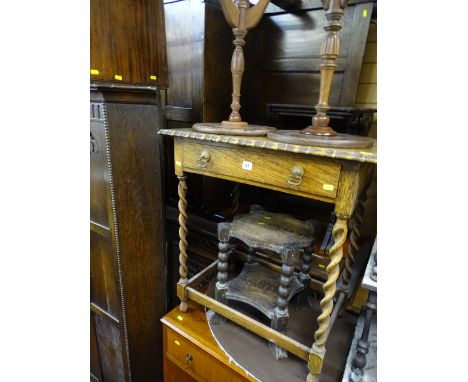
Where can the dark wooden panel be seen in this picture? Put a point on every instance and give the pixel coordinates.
(280, 6)
(98, 166)
(128, 40)
(217, 78)
(277, 89)
(300, 35)
(104, 287)
(200, 48)
(179, 114)
(288, 67)
(123, 93)
(110, 350)
(95, 363)
(178, 19)
(360, 29)
(138, 230)
(199, 41)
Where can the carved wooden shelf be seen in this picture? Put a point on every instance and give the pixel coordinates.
(273, 231)
(258, 286)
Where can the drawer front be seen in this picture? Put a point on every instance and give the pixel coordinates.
(294, 174)
(174, 373)
(197, 361)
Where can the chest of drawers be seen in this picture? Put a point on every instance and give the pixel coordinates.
(191, 352)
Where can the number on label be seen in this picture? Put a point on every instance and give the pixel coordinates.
(246, 165)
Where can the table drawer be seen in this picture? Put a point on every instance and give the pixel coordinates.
(304, 175)
(196, 361)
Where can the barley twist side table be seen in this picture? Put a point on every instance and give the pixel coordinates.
(336, 176)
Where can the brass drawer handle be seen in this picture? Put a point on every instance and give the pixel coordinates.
(188, 358)
(295, 176)
(203, 160)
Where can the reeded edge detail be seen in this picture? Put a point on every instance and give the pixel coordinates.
(361, 156)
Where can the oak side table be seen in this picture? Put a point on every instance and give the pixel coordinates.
(338, 176)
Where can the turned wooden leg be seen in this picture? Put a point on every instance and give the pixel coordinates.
(237, 70)
(334, 10)
(183, 269)
(355, 224)
(359, 360)
(235, 199)
(242, 17)
(223, 257)
(304, 276)
(340, 230)
(281, 314)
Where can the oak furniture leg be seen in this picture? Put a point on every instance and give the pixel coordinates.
(304, 276)
(223, 257)
(355, 224)
(359, 360)
(235, 199)
(183, 268)
(281, 314)
(340, 230)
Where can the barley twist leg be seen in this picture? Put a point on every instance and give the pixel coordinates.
(183, 269)
(340, 230)
(353, 247)
(235, 199)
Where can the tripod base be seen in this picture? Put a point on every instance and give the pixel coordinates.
(227, 129)
(341, 141)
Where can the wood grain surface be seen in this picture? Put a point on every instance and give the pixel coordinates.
(137, 208)
(192, 332)
(368, 155)
(283, 58)
(269, 169)
(128, 41)
(128, 285)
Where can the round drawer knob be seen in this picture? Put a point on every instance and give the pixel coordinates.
(295, 176)
(203, 160)
(188, 358)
